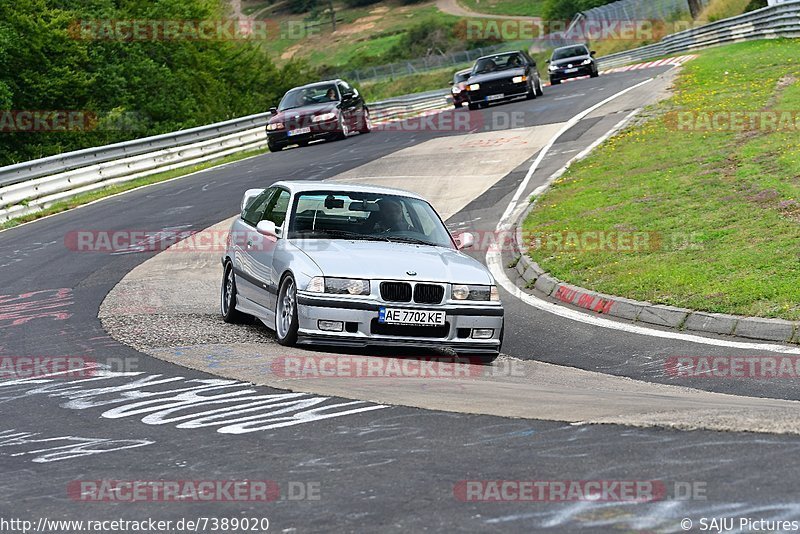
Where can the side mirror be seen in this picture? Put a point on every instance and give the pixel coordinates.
(249, 195)
(547, 61)
(267, 228)
(273, 110)
(593, 53)
(452, 83)
(465, 240)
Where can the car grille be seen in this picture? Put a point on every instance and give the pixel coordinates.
(497, 87)
(396, 291)
(409, 331)
(428, 293)
(402, 292)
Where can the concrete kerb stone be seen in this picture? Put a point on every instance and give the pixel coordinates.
(760, 328)
(717, 323)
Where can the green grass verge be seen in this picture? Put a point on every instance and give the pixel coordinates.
(725, 205)
(86, 198)
(525, 8)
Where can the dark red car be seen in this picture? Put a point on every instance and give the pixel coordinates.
(323, 110)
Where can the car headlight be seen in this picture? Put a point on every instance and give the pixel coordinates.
(519, 79)
(338, 286)
(275, 126)
(456, 90)
(587, 62)
(467, 292)
(553, 68)
(474, 87)
(324, 117)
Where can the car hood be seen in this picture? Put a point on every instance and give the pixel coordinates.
(304, 112)
(499, 75)
(393, 261)
(575, 60)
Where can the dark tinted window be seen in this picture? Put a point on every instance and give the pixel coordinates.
(572, 51)
(254, 211)
(499, 62)
(277, 208)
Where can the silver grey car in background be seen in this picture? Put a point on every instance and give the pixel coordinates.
(353, 265)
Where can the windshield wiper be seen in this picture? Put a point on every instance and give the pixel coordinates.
(351, 235)
(413, 240)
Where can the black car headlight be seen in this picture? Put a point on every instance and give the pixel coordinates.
(469, 292)
(338, 286)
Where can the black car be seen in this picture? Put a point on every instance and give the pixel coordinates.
(502, 77)
(324, 110)
(459, 89)
(571, 62)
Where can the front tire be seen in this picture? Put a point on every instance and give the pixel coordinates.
(473, 107)
(366, 124)
(273, 147)
(555, 82)
(531, 92)
(286, 324)
(539, 90)
(344, 128)
(228, 297)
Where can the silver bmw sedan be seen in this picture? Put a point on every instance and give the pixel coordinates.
(352, 265)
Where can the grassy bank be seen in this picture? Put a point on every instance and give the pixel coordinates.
(722, 206)
(525, 8)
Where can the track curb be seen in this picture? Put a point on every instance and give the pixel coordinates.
(533, 278)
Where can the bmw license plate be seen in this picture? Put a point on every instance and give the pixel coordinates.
(299, 131)
(495, 97)
(411, 317)
(570, 71)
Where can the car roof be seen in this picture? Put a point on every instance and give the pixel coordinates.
(300, 186)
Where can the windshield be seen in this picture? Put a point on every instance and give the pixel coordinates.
(497, 63)
(307, 96)
(572, 51)
(368, 217)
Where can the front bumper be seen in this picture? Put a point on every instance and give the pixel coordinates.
(489, 93)
(360, 318)
(322, 130)
(585, 70)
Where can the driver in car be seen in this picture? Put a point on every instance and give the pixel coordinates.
(331, 95)
(391, 217)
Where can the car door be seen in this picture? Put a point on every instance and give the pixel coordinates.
(262, 252)
(243, 238)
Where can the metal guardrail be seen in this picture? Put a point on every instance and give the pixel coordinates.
(33, 185)
(781, 20)
(30, 186)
